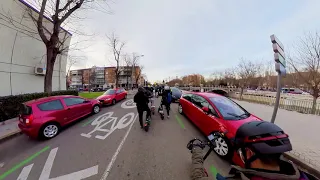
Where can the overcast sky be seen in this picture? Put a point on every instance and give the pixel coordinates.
(180, 37)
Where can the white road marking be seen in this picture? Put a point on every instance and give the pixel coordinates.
(48, 165)
(79, 174)
(128, 104)
(45, 174)
(25, 172)
(108, 124)
(114, 157)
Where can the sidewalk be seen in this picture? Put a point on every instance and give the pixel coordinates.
(303, 130)
(9, 129)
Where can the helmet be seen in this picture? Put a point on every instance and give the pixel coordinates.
(263, 138)
(140, 89)
(166, 87)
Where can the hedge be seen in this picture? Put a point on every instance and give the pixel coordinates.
(9, 105)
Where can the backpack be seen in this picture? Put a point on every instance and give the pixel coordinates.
(169, 98)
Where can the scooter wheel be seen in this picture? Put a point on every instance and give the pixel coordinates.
(146, 128)
(162, 117)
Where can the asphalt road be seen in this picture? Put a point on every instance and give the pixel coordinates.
(109, 145)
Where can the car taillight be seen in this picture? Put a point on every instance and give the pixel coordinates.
(29, 119)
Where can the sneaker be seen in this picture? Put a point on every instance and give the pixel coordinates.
(168, 117)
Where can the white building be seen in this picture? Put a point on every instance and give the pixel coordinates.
(21, 51)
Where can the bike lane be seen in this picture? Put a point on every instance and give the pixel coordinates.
(77, 152)
(161, 153)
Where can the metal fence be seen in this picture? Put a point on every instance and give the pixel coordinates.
(299, 105)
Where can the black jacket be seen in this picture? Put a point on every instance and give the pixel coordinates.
(141, 99)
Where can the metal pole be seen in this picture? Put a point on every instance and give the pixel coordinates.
(276, 104)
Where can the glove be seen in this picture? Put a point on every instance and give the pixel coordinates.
(192, 144)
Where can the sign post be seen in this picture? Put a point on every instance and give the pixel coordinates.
(280, 67)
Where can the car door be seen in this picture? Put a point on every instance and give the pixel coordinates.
(118, 94)
(76, 107)
(53, 110)
(186, 103)
(196, 112)
(209, 122)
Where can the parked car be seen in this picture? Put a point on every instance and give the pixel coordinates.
(213, 113)
(44, 117)
(176, 94)
(112, 96)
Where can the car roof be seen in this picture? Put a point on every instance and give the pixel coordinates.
(205, 94)
(45, 99)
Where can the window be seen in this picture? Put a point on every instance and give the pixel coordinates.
(73, 101)
(51, 105)
(118, 91)
(110, 92)
(198, 101)
(188, 97)
(229, 109)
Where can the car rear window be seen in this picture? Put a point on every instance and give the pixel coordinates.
(51, 105)
(25, 110)
(110, 92)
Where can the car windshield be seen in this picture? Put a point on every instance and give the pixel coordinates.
(175, 90)
(229, 109)
(110, 92)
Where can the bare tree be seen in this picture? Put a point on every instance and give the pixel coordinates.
(128, 70)
(138, 74)
(230, 76)
(306, 63)
(135, 64)
(116, 46)
(52, 16)
(246, 71)
(92, 77)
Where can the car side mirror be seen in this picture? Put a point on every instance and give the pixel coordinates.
(205, 109)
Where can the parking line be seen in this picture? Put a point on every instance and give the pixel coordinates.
(14, 168)
(180, 121)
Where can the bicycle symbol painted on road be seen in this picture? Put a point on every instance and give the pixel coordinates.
(107, 123)
(128, 104)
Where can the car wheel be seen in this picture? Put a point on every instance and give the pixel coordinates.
(50, 130)
(96, 109)
(223, 148)
(180, 109)
(113, 102)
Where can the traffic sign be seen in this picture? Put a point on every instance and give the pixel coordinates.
(280, 68)
(274, 39)
(277, 49)
(280, 59)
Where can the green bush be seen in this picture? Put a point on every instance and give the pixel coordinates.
(9, 105)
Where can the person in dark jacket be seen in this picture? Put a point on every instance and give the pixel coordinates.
(166, 99)
(262, 160)
(141, 99)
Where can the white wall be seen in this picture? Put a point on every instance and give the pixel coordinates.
(20, 53)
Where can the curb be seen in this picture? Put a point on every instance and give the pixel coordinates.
(303, 165)
(10, 135)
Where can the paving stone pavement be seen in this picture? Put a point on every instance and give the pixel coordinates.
(303, 130)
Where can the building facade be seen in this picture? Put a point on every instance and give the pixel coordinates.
(104, 77)
(22, 61)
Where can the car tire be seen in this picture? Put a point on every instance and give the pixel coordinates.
(96, 109)
(180, 110)
(49, 130)
(114, 102)
(223, 148)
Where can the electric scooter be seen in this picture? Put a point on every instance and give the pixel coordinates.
(160, 111)
(152, 109)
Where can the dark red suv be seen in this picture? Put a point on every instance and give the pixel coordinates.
(44, 117)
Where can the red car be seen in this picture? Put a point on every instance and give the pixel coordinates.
(213, 113)
(44, 117)
(112, 96)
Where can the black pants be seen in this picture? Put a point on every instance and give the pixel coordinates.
(167, 105)
(140, 112)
